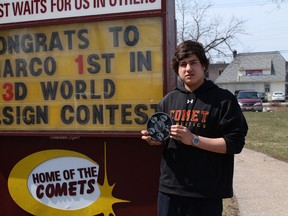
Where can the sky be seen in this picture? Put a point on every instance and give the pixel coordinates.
(266, 25)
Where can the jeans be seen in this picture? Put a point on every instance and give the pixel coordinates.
(171, 205)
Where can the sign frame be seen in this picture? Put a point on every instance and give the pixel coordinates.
(166, 13)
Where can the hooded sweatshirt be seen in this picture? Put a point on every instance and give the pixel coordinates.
(210, 112)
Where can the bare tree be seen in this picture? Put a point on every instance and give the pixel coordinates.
(193, 22)
(279, 2)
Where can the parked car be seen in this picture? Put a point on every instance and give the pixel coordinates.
(250, 101)
(278, 96)
(263, 96)
(236, 92)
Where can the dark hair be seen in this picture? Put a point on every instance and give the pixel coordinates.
(185, 49)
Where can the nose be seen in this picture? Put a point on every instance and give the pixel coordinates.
(188, 67)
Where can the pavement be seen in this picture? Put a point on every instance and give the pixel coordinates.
(260, 184)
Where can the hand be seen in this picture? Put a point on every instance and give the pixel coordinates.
(148, 138)
(181, 133)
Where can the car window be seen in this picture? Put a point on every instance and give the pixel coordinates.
(252, 95)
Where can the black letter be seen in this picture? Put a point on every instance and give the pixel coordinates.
(109, 83)
(68, 120)
(138, 111)
(20, 88)
(115, 31)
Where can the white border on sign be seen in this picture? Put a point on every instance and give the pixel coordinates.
(27, 10)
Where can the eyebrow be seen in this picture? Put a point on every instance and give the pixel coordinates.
(190, 60)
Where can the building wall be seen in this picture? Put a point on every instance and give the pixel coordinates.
(215, 70)
(232, 87)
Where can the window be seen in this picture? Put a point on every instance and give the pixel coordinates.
(220, 71)
(267, 87)
(244, 94)
(254, 73)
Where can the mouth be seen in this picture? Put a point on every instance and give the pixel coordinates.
(189, 76)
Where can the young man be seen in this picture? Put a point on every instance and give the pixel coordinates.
(209, 128)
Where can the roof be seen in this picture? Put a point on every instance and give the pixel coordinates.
(273, 62)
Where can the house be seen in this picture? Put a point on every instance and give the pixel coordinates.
(215, 70)
(259, 71)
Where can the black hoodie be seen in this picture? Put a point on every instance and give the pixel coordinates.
(210, 112)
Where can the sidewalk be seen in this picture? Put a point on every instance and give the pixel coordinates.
(260, 184)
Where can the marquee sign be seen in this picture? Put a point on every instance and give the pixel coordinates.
(79, 79)
(85, 77)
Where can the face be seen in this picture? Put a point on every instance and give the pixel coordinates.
(191, 71)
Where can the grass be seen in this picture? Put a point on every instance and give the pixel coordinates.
(230, 207)
(267, 134)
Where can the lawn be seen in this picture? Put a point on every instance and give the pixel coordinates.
(267, 134)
